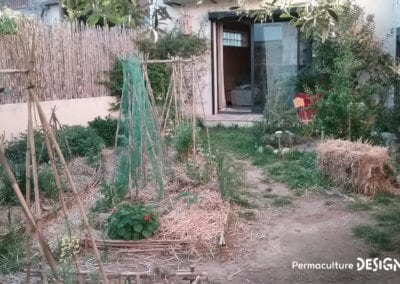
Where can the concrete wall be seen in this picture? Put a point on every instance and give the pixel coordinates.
(14, 117)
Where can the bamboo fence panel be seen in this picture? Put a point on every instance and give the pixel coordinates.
(72, 60)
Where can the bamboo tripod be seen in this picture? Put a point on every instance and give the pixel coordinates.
(54, 151)
(176, 95)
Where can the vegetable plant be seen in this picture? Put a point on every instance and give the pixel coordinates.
(132, 222)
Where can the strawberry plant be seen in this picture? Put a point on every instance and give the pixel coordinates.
(132, 222)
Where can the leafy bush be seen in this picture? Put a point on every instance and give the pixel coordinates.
(132, 222)
(175, 44)
(47, 184)
(80, 141)
(8, 22)
(106, 128)
(183, 138)
(354, 76)
(159, 76)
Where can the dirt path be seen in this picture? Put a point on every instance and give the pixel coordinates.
(315, 228)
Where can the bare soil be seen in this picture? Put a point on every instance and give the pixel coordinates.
(315, 228)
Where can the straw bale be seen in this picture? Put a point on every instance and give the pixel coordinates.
(356, 165)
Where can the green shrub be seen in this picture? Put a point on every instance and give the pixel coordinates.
(183, 138)
(175, 44)
(47, 184)
(110, 197)
(79, 141)
(106, 128)
(159, 76)
(8, 22)
(132, 222)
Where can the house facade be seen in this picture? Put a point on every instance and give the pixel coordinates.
(48, 10)
(247, 60)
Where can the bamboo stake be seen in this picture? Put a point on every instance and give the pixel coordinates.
(45, 250)
(28, 203)
(202, 106)
(175, 93)
(13, 71)
(57, 180)
(31, 138)
(72, 184)
(193, 107)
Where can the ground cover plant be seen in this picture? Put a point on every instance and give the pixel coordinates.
(296, 169)
(383, 233)
(74, 141)
(106, 129)
(132, 222)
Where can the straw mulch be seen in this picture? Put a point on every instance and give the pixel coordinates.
(356, 165)
(199, 217)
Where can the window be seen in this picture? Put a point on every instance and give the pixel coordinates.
(15, 4)
(235, 39)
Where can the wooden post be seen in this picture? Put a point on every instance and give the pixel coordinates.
(47, 128)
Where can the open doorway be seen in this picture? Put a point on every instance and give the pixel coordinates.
(254, 64)
(233, 66)
(237, 67)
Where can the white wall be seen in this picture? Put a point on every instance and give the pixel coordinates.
(14, 117)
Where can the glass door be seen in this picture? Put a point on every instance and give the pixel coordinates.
(274, 66)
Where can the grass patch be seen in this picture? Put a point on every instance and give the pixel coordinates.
(360, 206)
(281, 201)
(248, 215)
(380, 239)
(296, 169)
(12, 252)
(384, 235)
(270, 195)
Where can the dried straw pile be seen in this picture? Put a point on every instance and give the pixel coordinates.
(199, 216)
(355, 165)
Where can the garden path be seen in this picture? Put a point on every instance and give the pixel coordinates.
(313, 228)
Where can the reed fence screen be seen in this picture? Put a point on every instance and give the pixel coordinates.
(70, 60)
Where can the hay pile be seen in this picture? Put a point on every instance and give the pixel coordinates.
(198, 215)
(359, 166)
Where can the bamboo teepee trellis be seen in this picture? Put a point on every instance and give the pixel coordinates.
(33, 220)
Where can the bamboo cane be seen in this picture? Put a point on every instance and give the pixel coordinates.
(72, 184)
(45, 250)
(202, 106)
(28, 203)
(193, 107)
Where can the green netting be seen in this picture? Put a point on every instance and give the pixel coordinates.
(139, 142)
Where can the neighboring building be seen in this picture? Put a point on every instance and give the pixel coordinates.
(248, 59)
(48, 10)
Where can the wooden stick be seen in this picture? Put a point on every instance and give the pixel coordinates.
(28, 203)
(13, 71)
(45, 250)
(167, 60)
(202, 106)
(57, 180)
(72, 184)
(193, 107)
